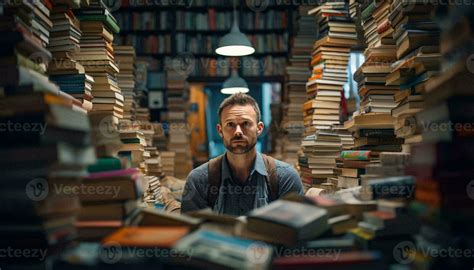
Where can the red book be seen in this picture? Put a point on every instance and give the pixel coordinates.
(48, 4)
(212, 19)
(384, 26)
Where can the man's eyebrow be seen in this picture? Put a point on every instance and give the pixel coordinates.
(243, 118)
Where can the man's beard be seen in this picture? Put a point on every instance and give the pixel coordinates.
(239, 149)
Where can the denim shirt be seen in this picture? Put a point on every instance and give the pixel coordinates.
(237, 198)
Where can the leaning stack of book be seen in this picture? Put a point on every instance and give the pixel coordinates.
(330, 56)
(38, 120)
(417, 36)
(376, 97)
(442, 163)
(64, 45)
(178, 133)
(125, 58)
(97, 57)
(297, 72)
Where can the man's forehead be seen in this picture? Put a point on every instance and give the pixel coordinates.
(239, 111)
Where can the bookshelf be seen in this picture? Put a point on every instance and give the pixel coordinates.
(162, 30)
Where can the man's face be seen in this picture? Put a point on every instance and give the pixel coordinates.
(239, 128)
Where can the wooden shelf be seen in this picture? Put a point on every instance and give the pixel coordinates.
(201, 32)
(144, 32)
(213, 55)
(185, 7)
(248, 79)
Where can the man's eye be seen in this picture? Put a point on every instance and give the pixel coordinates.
(230, 124)
(246, 124)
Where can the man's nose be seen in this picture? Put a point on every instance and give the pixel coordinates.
(238, 130)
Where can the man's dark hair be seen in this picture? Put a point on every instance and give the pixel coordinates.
(240, 99)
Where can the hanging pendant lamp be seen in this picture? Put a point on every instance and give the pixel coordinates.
(234, 84)
(235, 43)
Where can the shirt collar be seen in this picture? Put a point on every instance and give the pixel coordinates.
(258, 166)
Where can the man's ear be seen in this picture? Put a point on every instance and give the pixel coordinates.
(260, 128)
(219, 130)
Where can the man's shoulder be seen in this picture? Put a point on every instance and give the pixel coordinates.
(199, 174)
(283, 166)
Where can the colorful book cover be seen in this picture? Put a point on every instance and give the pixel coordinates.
(355, 155)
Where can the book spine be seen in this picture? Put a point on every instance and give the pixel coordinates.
(367, 13)
(355, 155)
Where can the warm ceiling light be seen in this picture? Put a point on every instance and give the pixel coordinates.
(234, 84)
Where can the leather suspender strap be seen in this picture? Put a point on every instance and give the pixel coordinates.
(214, 180)
(272, 179)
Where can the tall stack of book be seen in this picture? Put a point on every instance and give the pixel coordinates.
(96, 55)
(377, 97)
(321, 151)
(330, 56)
(64, 45)
(417, 36)
(373, 125)
(443, 162)
(178, 133)
(297, 72)
(125, 58)
(45, 146)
